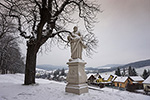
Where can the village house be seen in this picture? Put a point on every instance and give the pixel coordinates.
(106, 79)
(122, 82)
(136, 83)
(137, 79)
(146, 85)
(100, 79)
(130, 83)
(92, 78)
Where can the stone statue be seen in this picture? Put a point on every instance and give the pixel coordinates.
(76, 43)
(76, 76)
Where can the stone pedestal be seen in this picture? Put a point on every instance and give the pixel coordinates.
(76, 77)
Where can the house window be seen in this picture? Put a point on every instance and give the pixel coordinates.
(128, 81)
(120, 84)
(148, 87)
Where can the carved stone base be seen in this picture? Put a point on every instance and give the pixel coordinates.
(76, 77)
(77, 89)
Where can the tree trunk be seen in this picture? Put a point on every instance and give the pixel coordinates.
(3, 71)
(30, 68)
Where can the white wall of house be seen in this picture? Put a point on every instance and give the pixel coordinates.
(146, 87)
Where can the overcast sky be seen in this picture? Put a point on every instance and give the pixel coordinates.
(123, 32)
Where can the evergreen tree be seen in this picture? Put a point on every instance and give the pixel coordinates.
(63, 72)
(129, 71)
(145, 74)
(134, 73)
(56, 74)
(124, 72)
(148, 72)
(117, 72)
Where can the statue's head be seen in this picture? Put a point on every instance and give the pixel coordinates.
(75, 28)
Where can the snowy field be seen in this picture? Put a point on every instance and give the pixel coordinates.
(11, 88)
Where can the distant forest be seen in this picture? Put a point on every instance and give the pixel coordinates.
(137, 64)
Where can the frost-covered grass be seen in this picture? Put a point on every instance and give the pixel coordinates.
(11, 88)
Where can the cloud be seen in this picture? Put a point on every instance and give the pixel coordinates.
(123, 33)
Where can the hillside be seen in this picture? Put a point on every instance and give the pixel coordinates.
(138, 64)
(101, 69)
(11, 88)
(108, 66)
(49, 67)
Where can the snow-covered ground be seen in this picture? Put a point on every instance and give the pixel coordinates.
(11, 88)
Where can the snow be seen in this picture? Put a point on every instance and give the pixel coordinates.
(141, 70)
(147, 81)
(11, 88)
(42, 71)
(104, 68)
(77, 60)
(95, 75)
(105, 76)
(121, 79)
(136, 78)
(88, 75)
(78, 86)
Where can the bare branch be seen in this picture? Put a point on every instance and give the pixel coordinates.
(61, 8)
(44, 19)
(63, 31)
(38, 4)
(62, 38)
(22, 33)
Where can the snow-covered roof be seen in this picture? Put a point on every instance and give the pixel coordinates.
(115, 76)
(147, 81)
(63, 77)
(95, 75)
(105, 76)
(88, 75)
(136, 78)
(120, 79)
(135, 82)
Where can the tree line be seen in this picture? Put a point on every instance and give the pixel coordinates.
(57, 75)
(131, 72)
(126, 72)
(11, 60)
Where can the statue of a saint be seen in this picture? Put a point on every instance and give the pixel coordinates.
(76, 43)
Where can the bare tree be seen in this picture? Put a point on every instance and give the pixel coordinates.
(6, 25)
(10, 57)
(40, 20)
